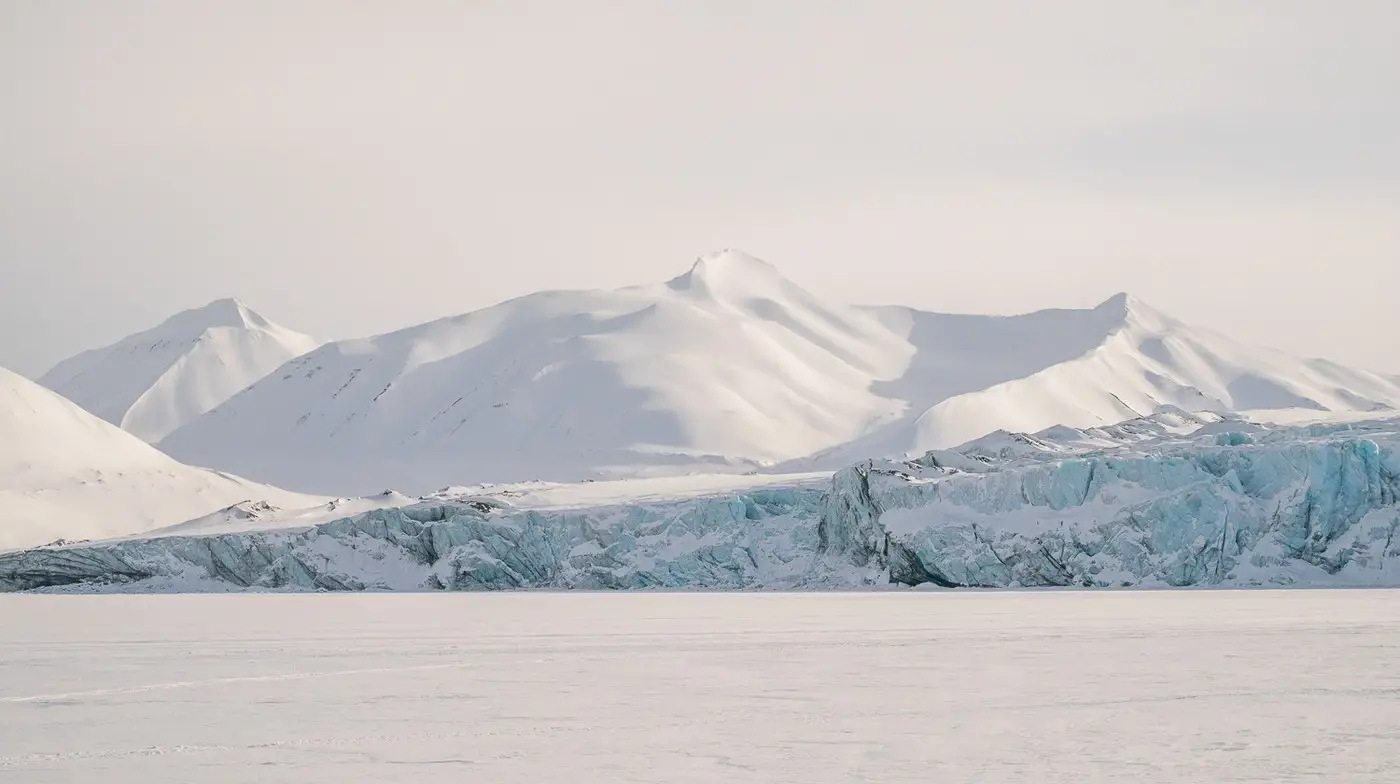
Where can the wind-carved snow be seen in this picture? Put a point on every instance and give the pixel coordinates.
(65, 474)
(151, 383)
(729, 367)
(1172, 499)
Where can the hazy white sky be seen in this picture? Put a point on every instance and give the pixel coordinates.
(352, 167)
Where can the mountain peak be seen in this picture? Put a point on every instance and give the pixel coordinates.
(730, 272)
(1120, 301)
(1126, 303)
(152, 381)
(225, 312)
(1130, 308)
(731, 261)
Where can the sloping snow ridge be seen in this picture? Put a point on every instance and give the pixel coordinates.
(720, 369)
(729, 367)
(151, 383)
(65, 474)
(1172, 499)
(1147, 361)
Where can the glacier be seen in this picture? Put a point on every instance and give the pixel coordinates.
(1173, 499)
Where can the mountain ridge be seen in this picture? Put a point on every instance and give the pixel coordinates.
(153, 381)
(728, 367)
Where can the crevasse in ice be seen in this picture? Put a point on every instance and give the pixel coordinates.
(1226, 504)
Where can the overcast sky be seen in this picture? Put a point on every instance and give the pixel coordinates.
(347, 168)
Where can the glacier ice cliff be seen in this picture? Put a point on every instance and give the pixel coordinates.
(1173, 500)
(763, 537)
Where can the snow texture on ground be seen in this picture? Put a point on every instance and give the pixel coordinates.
(1049, 687)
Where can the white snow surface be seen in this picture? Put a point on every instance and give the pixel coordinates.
(728, 368)
(151, 383)
(538, 496)
(1052, 687)
(1150, 360)
(722, 368)
(65, 474)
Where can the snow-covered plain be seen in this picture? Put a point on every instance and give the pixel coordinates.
(1049, 687)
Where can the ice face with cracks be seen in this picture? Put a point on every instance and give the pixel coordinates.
(1135, 505)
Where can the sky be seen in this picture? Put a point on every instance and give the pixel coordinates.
(347, 168)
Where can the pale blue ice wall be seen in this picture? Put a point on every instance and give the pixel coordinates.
(1313, 508)
(763, 537)
(1319, 511)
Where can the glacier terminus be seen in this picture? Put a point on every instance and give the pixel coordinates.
(1173, 499)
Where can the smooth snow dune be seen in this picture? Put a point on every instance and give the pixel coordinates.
(729, 367)
(153, 382)
(64, 473)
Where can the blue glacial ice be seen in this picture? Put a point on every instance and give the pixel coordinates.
(761, 537)
(1171, 500)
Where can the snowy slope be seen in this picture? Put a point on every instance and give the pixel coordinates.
(153, 382)
(1150, 360)
(64, 473)
(729, 367)
(723, 366)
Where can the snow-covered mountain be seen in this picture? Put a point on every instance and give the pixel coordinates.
(975, 374)
(65, 474)
(153, 382)
(722, 366)
(729, 367)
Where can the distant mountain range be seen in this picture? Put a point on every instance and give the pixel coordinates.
(729, 367)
